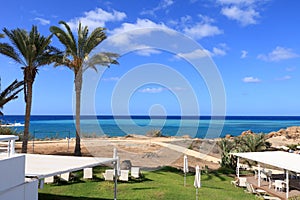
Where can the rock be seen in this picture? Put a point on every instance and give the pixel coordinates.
(228, 136)
(292, 132)
(247, 133)
(126, 165)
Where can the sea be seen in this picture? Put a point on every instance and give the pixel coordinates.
(63, 126)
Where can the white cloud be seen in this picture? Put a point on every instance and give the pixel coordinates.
(251, 79)
(278, 54)
(284, 78)
(290, 69)
(97, 18)
(244, 16)
(42, 21)
(141, 24)
(245, 12)
(126, 36)
(110, 79)
(245, 2)
(164, 4)
(160, 89)
(218, 52)
(152, 90)
(201, 30)
(244, 54)
(198, 53)
(147, 52)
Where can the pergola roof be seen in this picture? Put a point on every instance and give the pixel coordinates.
(41, 166)
(280, 159)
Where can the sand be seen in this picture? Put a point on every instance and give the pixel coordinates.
(146, 152)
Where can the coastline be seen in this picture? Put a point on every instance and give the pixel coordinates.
(150, 152)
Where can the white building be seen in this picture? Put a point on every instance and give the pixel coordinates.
(13, 184)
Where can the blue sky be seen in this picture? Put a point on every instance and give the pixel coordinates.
(250, 66)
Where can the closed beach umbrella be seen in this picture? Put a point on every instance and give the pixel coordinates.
(197, 182)
(117, 171)
(185, 168)
(118, 161)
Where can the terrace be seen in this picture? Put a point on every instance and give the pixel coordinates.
(288, 175)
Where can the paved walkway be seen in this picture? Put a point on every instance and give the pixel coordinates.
(189, 152)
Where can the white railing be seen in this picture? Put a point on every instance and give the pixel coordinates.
(7, 143)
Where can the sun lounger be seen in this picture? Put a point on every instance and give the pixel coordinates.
(271, 198)
(135, 172)
(251, 190)
(87, 173)
(109, 175)
(124, 175)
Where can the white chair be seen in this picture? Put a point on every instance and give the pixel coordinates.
(242, 182)
(135, 172)
(263, 176)
(279, 185)
(87, 173)
(124, 175)
(109, 175)
(49, 179)
(65, 176)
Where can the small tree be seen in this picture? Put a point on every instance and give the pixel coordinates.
(227, 146)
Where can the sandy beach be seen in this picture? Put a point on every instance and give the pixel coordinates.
(146, 152)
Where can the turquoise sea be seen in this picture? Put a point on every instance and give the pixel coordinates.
(201, 127)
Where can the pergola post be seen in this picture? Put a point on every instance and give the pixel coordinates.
(258, 174)
(287, 183)
(115, 180)
(238, 167)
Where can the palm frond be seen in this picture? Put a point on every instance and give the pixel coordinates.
(102, 59)
(96, 37)
(10, 93)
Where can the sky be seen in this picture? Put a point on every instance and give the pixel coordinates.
(192, 57)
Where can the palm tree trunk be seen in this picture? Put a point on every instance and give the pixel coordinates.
(78, 86)
(27, 115)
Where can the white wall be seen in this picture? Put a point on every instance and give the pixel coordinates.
(12, 180)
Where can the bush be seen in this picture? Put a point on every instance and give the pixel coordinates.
(10, 131)
(154, 133)
(7, 131)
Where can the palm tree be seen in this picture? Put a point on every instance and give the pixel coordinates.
(253, 142)
(10, 93)
(75, 58)
(31, 50)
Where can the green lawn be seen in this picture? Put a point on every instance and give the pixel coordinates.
(162, 184)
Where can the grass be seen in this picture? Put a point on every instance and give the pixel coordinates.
(166, 184)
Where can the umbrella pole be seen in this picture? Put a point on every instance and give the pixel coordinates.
(196, 193)
(184, 179)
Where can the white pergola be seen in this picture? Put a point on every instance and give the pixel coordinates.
(283, 160)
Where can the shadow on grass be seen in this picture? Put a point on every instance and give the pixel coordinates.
(168, 169)
(145, 188)
(61, 197)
